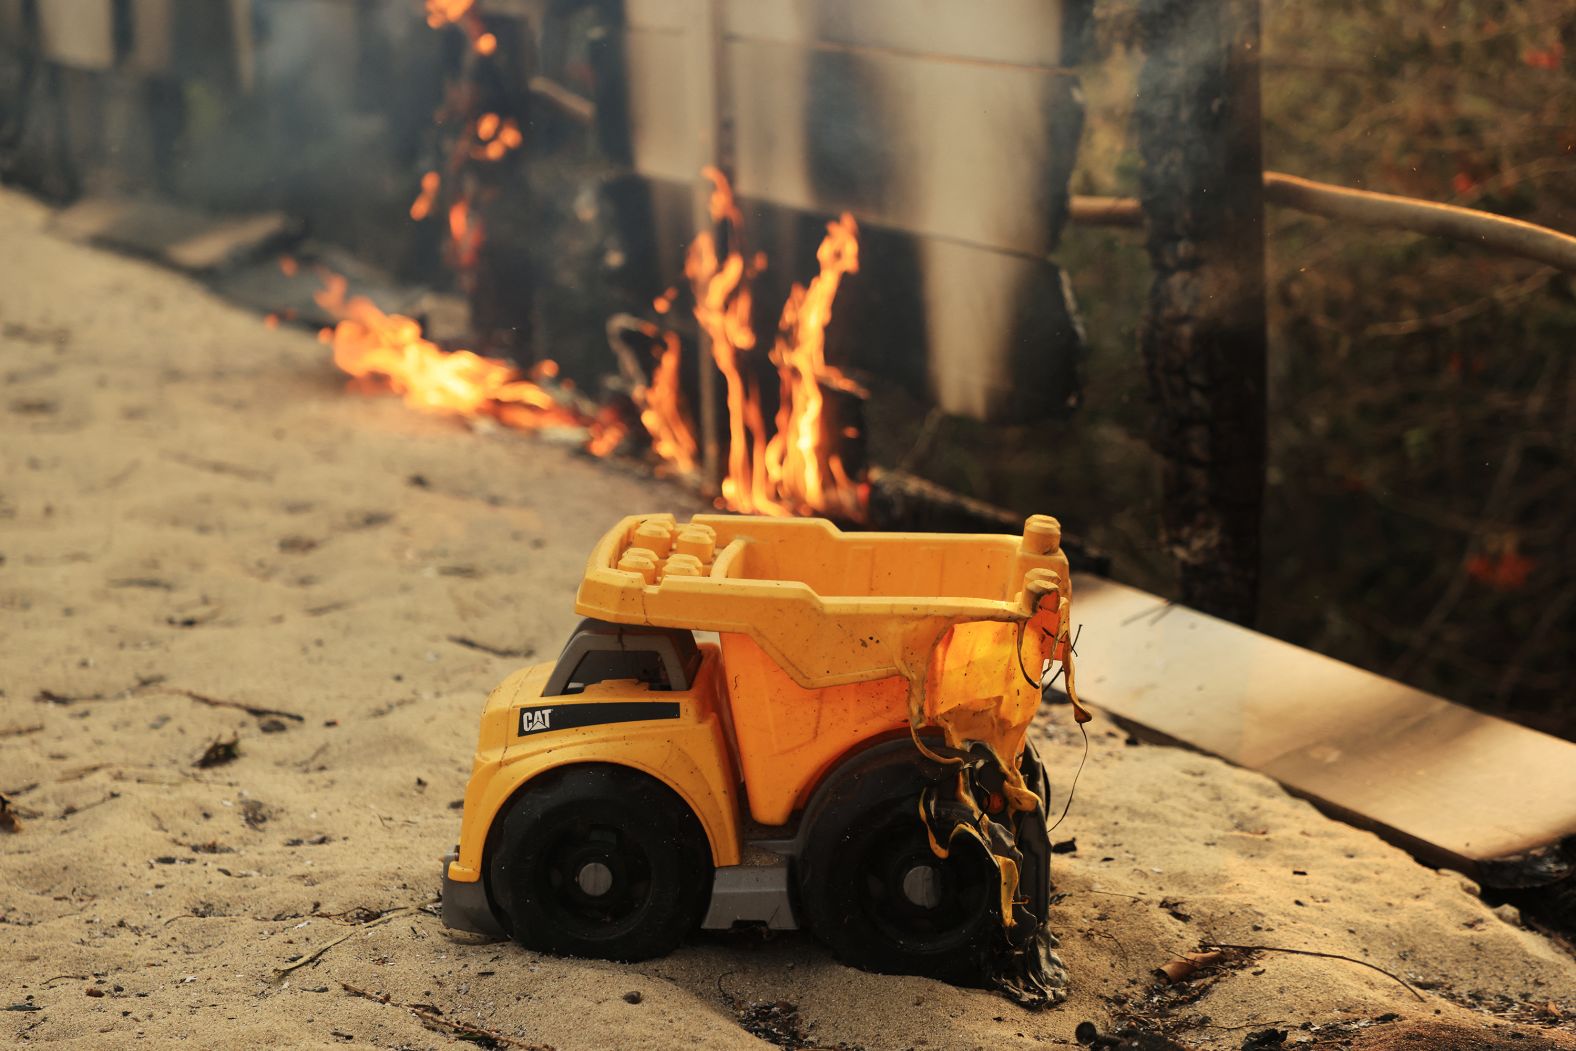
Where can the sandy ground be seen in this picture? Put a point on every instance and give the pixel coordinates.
(192, 507)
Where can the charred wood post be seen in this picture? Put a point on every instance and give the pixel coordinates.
(704, 70)
(1203, 336)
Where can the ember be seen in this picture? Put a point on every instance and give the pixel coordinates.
(421, 207)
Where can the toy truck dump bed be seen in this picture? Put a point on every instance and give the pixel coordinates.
(831, 637)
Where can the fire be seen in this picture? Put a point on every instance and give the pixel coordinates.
(662, 410)
(796, 458)
(790, 466)
(389, 349)
(421, 207)
(495, 137)
(722, 308)
(465, 233)
(795, 470)
(444, 12)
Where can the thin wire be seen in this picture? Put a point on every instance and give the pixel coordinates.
(1074, 789)
(1021, 667)
(1040, 684)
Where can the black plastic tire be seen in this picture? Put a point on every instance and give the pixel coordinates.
(851, 881)
(600, 861)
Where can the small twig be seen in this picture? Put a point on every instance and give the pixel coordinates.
(48, 696)
(72, 811)
(1107, 934)
(153, 583)
(922, 441)
(309, 760)
(432, 1018)
(21, 731)
(251, 474)
(1115, 894)
(249, 709)
(1326, 955)
(1500, 297)
(727, 997)
(1244, 1025)
(1153, 614)
(280, 972)
(80, 773)
(496, 651)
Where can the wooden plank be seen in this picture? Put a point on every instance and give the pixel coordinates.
(1452, 784)
(955, 150)
(933, 143)
(182, 237)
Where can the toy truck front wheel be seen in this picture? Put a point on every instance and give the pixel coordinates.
(598, 860)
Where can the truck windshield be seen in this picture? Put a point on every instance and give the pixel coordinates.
(645, 666)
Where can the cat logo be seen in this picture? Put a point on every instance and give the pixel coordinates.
(579, 716)
(535, 720)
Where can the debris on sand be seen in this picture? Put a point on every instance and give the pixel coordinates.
(255, 812)
(220, 751)
(1181, 968)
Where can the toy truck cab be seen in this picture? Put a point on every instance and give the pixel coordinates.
(649, 781)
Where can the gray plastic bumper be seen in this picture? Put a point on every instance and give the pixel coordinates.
(464, 906)
(751, 894)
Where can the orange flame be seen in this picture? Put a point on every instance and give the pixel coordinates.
(795, 470)
(389, 349)
(796, 459)
(662, 409)
(486, 44)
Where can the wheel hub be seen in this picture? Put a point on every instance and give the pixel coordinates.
(594, 879)
(922, 886)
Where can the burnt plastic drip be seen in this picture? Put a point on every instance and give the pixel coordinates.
(1023, 963)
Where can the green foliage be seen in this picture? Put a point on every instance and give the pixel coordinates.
(1423, 402)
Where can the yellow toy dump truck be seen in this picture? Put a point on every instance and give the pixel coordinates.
(847, 752)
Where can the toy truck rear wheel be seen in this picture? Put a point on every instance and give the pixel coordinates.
(879, 898)
(600, 861)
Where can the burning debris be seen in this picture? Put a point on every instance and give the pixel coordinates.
(795, 467)
(389, 349)
(793, 463)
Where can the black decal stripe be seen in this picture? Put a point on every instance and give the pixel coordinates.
(546, 718)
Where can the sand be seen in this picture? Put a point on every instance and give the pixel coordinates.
(192, 506)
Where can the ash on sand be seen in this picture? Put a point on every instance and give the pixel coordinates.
(159, 447)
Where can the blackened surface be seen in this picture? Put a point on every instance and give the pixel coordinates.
(1203, 337)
